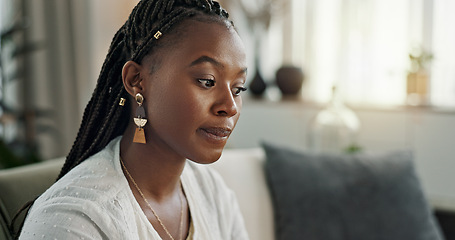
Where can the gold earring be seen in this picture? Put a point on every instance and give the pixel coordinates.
(140, 120)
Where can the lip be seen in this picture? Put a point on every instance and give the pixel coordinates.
(215, 134)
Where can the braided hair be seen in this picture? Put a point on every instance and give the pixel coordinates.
(103, 118)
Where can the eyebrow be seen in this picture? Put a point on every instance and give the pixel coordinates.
(244, 71)
(207, 59)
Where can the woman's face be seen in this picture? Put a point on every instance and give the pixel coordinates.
(192, 98)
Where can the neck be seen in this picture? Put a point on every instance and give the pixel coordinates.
(156, 171)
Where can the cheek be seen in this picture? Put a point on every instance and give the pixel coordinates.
(176, 110)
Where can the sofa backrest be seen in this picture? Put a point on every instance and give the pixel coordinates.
(243, 172)
(22, 184)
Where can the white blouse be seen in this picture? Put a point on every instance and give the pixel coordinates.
(94, 201)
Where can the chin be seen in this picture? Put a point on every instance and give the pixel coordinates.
(208, 156)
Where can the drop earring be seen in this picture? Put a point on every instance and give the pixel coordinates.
(140, 120)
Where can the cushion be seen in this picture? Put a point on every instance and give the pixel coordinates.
(341, 197)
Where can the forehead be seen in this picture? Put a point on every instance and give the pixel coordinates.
(216, 39)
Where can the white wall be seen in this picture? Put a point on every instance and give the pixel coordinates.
(428, 133)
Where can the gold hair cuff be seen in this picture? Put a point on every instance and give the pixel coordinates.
(157, 35)
(122, 102)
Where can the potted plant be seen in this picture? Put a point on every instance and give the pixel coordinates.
(418, 77)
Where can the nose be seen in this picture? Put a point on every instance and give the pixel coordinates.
(225, 105)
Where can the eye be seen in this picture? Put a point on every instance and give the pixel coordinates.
(207, 83)
(236, 91)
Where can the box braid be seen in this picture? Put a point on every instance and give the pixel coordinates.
(103, 118)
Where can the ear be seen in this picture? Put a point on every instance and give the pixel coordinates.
(131, 77)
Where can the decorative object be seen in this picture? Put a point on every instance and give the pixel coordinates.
(257, 86)
(258, 15)
(140, 120)
(334, 129)
(289, 80)
(417, 88)
(362, 196)
(418, 77)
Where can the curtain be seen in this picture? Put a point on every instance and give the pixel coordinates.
(51, 72)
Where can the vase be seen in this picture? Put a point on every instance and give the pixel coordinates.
(334, 129)
(417, 87)
(257, 86)
(289, 80)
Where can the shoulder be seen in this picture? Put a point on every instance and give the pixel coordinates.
(96, 176)
(84, 198)
(65, 212)
(92, 179)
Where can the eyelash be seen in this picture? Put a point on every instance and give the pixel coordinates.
(208, 83)
(239, 90)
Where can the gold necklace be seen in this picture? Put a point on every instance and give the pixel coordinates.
(150, 206)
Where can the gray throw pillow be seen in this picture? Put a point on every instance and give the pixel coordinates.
(347, 197)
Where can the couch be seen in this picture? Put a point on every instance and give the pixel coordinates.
(326, 201)
(22, 184)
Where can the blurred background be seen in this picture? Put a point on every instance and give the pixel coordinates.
(324, 75)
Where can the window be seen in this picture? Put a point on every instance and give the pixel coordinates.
(443, 43)
(363, 46)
